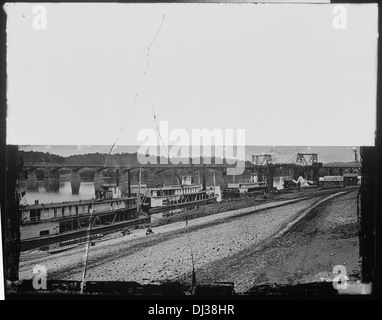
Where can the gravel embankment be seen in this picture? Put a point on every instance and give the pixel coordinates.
(166, 255)
(327, 237)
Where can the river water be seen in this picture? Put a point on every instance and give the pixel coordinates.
(87, 191)
(64, 193)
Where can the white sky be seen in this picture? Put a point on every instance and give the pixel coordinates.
(281, 72)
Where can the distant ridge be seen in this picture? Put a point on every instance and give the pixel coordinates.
(325, 154)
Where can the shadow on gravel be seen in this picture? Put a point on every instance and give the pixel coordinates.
(62, 289)
(116, 288)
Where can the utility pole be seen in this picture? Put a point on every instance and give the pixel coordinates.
(204, 178)
(83, 281)
(129, 183)
(214, 180)
(139, 191)
(355, 154)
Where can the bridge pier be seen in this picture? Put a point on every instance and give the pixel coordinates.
(297, 172)
(156, 179)
(197, 178)
(97, 181)
(31, 179)
(125, 183)
(223, 181)
(150, 179)
(117, 178)
(46, 178)
(75, 181)
(52, 180)
(270, 175)
(308, 174)
(257, 173)
(315, 177)
(147, 178)
(192, 172)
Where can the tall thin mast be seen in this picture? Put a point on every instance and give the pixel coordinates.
(139, 191)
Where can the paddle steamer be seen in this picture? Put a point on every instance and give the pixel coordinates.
(52, 225)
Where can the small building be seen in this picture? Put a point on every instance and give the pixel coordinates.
(350, 179)
(333, 181)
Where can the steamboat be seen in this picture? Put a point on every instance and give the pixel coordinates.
(178, 197)
(49, 226)
(59, 225)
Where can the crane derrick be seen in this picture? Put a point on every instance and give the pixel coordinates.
(264, 168)
(262, 159)
(306, 159)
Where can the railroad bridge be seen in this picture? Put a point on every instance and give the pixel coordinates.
(263, 166)
(124, 173)
(340, 169)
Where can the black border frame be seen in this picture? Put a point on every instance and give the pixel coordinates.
(378, 141)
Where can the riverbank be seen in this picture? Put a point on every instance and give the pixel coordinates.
(166, 255)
